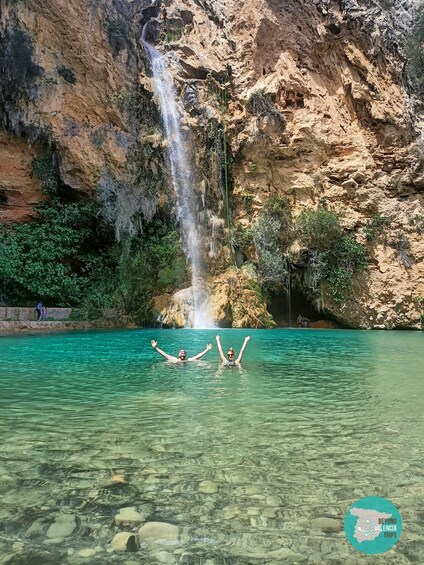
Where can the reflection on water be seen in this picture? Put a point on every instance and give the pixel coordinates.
(241, 459)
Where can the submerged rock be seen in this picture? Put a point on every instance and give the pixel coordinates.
(327, 525)
(164, 557)
(125, 541)
(208, 487)
(63, 527)
(88, 552)
(158, 534)
(128, 516)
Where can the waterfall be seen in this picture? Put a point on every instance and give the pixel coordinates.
(184, 186)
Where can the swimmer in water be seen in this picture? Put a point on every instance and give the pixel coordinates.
(231, 355)
(182, 355)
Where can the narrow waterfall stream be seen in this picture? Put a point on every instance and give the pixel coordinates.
(183, 179)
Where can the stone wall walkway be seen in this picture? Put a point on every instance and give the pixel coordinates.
(27, 326)
(14, 313)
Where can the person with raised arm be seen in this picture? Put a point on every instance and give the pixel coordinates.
(182, 355)
(230, 359)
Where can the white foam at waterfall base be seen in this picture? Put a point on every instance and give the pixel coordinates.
(184, 185)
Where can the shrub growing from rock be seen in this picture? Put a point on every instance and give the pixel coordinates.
(334, 256)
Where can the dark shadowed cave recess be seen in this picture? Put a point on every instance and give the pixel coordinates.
(286, 315)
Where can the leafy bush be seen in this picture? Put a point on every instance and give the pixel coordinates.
(50, 81)
(148, 265)
(346, 258)
(271, 235)
(53, 258)
(241, 238)
(117, 33)
(376, 227)
(45, 169)
(334, 257)
(417, 223)
(174, 34)
(34, 259)
(318, 229)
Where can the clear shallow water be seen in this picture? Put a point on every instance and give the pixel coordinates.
(311, 422)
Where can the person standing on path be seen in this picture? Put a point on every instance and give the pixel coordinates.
(38, 311)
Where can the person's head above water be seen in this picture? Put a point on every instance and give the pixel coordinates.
(182, 355)
(231, 354)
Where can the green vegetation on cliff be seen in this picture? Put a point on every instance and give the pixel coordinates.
(68, 257)
(334, 256)
(330, 256)
(50, 258)
(149, 264)
(117, 251)
(271, 235)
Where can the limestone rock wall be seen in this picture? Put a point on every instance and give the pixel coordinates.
(351, 141)
(19, 190)
(69, 74)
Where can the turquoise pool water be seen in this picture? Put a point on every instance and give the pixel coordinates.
(242, 460)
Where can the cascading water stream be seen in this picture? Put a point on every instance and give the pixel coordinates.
(184, 185)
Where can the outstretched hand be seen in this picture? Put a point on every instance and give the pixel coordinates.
(209, 346)
(218, 338)
(247, 338)
(154, 343)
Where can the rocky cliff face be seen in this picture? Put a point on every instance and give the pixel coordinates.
(342, 132)
(351, 142)
(69, 85)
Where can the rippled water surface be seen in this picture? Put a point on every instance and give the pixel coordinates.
(242, 460)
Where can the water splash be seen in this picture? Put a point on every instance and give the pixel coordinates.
(184, 185)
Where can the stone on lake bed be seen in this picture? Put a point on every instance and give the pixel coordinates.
(158, 448)
(118, 479)
(38, 527)
(158, 534)
(274, 500)
(63, 527)
(128, 516)
(164, 557)
(87, 552)
(327, 525)
(208, 487)
(125, 541)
